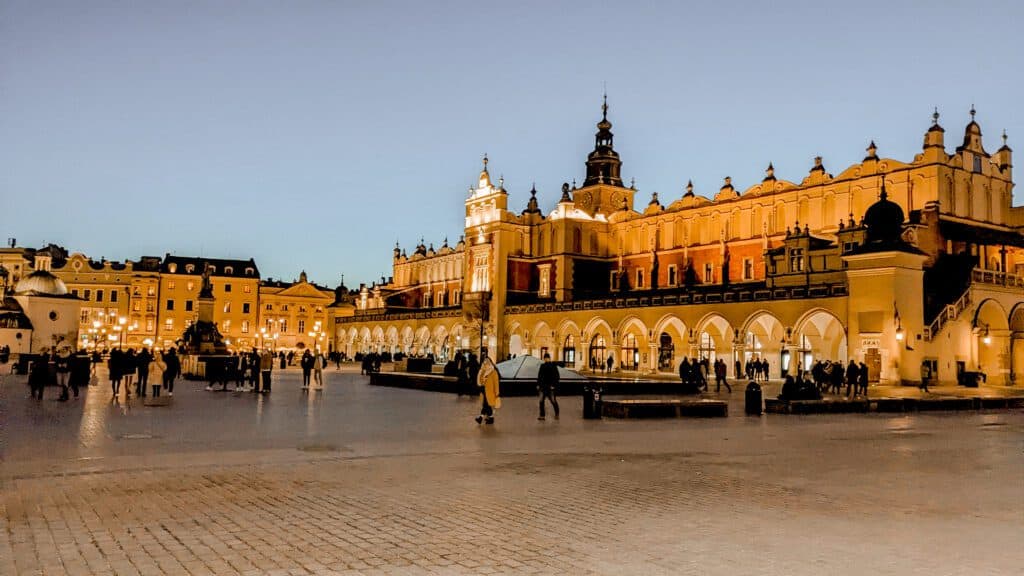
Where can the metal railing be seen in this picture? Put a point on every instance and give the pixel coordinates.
(950, 312)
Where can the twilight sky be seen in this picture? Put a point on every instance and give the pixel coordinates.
(314, 134)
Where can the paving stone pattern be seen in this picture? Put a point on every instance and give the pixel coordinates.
(370, 481)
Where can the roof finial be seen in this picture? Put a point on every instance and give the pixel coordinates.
(1004, 136)
(604, 104)
(972, 111)
(632, 183)
(485, 160)
(935, 117)
(689, 187)
(882, 194)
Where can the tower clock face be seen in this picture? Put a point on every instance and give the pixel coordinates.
(617, 198)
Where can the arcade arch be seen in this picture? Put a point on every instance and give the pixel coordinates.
(991, 339)
(819, 335)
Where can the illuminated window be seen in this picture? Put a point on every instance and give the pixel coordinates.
(481, 277)
(245, 326)
(169, 324)
(227, 307)
(170, 286)
(227, 325)
(190, 286)
(796, 260)
(247, 289)
(149, 325)
(302, 326)
(151, 291)
(544, 288)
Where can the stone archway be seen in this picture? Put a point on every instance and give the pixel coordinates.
(1017, 344)
(634, 352)
(764, 338)
(670, 343)
(991, 340)
(819, 335)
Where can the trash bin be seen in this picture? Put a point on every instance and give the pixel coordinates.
(754, 399)
(591, 402)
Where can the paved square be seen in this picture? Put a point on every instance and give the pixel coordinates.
(367, 480)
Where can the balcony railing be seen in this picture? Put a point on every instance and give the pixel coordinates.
(997, 278)
(760, 293)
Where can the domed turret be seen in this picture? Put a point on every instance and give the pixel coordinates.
(41, 282)
(603, 164)
(884, 220)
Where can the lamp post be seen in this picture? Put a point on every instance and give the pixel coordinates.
(121, 329)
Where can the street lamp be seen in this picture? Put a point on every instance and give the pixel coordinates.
(121, 322)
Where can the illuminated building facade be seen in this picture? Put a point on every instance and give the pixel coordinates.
(912, 267)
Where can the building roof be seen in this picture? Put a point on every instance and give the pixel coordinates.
(41, 283)
(220, 266)
(12, 316)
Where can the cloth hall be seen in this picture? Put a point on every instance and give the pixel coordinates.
(914, 267)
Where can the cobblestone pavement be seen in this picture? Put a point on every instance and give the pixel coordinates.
(367, 480)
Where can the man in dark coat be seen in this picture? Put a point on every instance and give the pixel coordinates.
(852, 372)
(547, 385)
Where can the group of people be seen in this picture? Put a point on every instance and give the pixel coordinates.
(59, 368)
(831, 377)
(125, 365)
(755, 369)
(250, 371)
(466, 371)
(695, 374)
(605, 366)
(312, 365)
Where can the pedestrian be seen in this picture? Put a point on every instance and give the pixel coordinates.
(836, 377)
(720, 374)
(337, 360)
(254, 371)
(142, 362)
(461, 374)
(862, 379)
(281, 357)
(160, 365)
(80, 371)
(38, 375)
(266, 367)
(114, 369)
(172, 370)
(547, 385)
(62, 363)
(472, 371)
(684, 371)
(852, 371)
(306, 363)
(611, 363)
(593, 363)
(489, 381)
(318, 370)
(128, 370)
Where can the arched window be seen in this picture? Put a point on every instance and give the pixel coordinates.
(569, 351)
(707, 347)
(598, 352)
(666, 353)
(630, 353)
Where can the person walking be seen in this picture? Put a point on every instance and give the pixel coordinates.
(62, 362)
(80, 371)
(114, 369)
(318, 370)
(128, 370)
(173, 369)
(852, 371)
(306, 363)
(862, 380)
(38, 375)
(720, 374)
(254, 371)
(610, 363)
(266, 367)
(142, 362)
(489, 381)
(547, 385)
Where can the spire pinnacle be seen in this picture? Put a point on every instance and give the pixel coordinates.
(604, 105)
(935, 117)
(689, 187)
(972, 112)
(1004, 136)
(485, 161)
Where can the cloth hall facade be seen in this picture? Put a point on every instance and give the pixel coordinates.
(914, 267)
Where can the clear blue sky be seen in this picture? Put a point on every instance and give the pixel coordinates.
(313, 135)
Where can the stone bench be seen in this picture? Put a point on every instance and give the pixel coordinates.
(664, 408)
(826, 406)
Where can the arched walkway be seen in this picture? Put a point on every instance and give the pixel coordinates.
(671, 339)
(991, 340)
(819, 335)
(764, 338)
